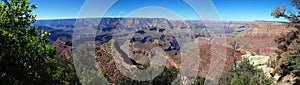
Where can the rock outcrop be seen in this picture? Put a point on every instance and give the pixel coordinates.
(261, 62)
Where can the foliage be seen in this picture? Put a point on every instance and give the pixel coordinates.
(252, 54)
(165, 78)
(67, 71)
(291, 57)
(85, 65)
(245, 74)
(199, 81)
(144, 66)
(292, 63)
(25, 56)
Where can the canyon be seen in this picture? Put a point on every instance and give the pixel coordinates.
(207, 40)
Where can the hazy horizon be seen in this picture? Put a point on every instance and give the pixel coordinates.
(158, 18)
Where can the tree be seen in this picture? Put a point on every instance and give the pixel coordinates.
(25, 56)
(67, 71)
(289, 50)
(199, 81)
(84, 60)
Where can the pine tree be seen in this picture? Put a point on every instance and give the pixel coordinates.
(289, 43)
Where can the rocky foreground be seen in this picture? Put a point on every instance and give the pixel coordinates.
(263, 62)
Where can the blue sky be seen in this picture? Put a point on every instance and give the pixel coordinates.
(228, 10)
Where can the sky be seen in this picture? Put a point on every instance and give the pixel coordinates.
(227, 10)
